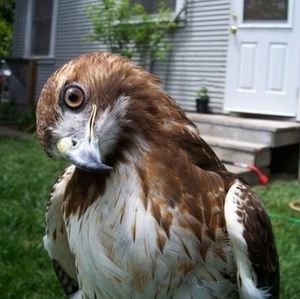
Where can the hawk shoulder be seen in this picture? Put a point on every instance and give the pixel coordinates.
(56, 240)
(250, 233)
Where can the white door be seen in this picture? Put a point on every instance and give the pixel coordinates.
(263, 57)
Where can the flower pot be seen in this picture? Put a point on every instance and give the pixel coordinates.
(202, 106)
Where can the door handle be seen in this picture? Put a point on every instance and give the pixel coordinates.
(233, 29)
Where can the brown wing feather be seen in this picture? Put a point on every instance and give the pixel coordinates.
(258, 229)
(261, 244)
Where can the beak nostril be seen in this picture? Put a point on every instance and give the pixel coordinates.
(74, 143)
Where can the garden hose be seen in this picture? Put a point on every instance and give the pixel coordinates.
(288, 219)
(295, 205)
(263, 178)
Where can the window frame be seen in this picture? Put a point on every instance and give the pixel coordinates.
(179, 7)
(267, 24)
(179, 13)
(28, 32)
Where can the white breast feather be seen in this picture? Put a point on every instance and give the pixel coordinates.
(58, 249)
(113, 266)
(110, 264)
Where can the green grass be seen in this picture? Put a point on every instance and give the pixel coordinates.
(26, 176)
(286, 226)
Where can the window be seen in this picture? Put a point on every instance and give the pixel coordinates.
(153, 6)
(266, 10)
(42, 11)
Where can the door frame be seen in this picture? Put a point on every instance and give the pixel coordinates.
(236, 19)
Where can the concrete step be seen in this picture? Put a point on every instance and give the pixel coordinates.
(247, 175)
(273, 133)
(240, 151)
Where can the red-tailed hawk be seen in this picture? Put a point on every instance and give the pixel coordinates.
(146, 210)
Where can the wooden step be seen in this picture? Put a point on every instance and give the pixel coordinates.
(273, 133)
(240, 151)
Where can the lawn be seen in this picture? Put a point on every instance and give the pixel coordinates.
(26, 176)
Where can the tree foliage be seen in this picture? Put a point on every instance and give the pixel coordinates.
(6, 26)
(127, 29)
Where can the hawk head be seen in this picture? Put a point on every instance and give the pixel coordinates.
(99, 105)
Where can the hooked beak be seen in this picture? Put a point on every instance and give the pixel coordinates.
(85, 153)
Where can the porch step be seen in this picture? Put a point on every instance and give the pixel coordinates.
(248, 140)
(240, 151)
(273, 133)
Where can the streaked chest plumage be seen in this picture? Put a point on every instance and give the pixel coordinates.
(122, 251)
(149, 209)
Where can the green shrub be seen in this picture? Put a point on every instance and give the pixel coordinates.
(23, 119)
(7, 111)
(127, 29)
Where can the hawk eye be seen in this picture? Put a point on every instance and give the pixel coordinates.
(73, 96)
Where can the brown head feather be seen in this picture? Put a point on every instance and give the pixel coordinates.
(177, 155)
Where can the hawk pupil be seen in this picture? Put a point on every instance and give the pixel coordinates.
(73, 97)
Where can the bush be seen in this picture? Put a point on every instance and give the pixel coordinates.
(127, 29)
(7, 111)
(6, 26)
(23, 119)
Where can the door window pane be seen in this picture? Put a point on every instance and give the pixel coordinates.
(265, 10)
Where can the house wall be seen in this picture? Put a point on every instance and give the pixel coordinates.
(19, 28)
(198, 55)
(70, 37)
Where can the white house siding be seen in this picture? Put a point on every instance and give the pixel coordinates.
(45, 67)
(198, 56)
(72, 27)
